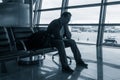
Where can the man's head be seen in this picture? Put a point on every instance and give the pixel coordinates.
(66, 16)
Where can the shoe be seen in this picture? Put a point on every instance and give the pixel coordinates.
(67, 70)
(82, 65)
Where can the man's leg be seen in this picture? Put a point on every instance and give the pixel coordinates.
(71, 43)
(59, 44)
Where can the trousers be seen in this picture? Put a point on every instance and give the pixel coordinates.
(61, 45)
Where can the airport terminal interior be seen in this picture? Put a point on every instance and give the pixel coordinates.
(94, 25)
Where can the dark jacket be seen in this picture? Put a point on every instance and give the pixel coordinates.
(54, 30)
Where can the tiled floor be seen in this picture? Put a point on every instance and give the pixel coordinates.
(106, 68)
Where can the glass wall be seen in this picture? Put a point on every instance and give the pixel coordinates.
(83, 19)
(86, 17)
(112, 28)
(113, 14)
(84, 34)
(112, 36)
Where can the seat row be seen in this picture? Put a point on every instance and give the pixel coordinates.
(9, 38)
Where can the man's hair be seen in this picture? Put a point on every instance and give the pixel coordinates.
(65, 14)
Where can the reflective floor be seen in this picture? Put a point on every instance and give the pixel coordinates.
(106, 68)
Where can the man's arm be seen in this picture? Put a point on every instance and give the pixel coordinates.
(67, 32)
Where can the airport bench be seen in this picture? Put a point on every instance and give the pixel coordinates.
(12, 45)
(21, 33)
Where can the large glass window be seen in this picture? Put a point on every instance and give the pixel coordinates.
(85, 15)
(81, 2)
(113, 14)
(84, 34)
(48, 16)
(51, 3)
(112, 35)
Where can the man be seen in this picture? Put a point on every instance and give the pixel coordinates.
(61, 38)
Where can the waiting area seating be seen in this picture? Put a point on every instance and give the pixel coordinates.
(12, 45)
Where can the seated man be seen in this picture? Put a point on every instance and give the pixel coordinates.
(61, 38)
